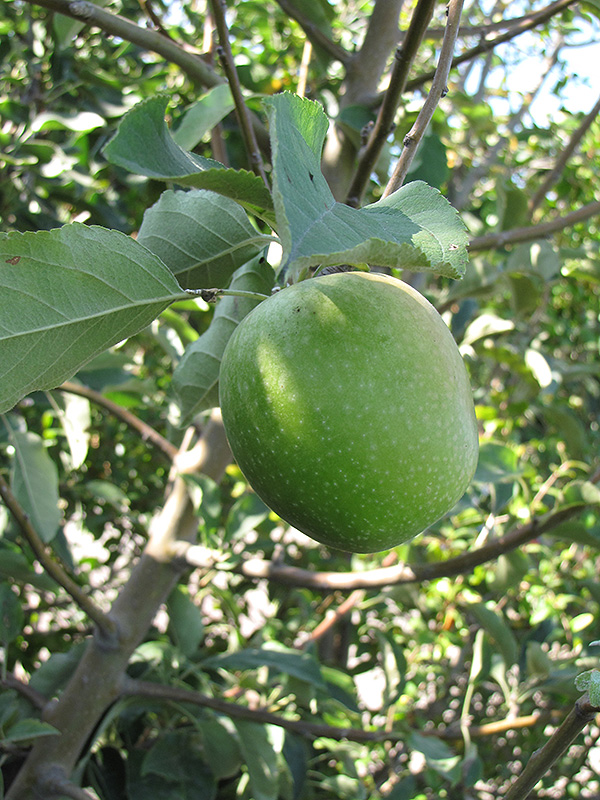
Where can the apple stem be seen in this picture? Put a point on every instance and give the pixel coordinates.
(212, 295)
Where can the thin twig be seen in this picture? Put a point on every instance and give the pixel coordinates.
(147, 432)
(138, 688)
(56, 571)
(565, 154)
(331, 618)
(524, 24)
(437, 91)
(313, 33)
(530, 232)
(540, 762)
(56, 785)
(36, 699)
(241, 109)
(405, 56)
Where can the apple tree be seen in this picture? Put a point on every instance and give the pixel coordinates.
(359, 211)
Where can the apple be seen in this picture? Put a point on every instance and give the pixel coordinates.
(348, 408)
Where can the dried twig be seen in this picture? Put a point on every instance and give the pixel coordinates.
(437, 91)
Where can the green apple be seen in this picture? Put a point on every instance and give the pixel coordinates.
(348, 408)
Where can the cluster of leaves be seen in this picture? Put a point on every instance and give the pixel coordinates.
(430, 664)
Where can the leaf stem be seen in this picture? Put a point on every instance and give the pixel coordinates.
(437, 91)
(56, 571)
(242, 111)
(212, 295)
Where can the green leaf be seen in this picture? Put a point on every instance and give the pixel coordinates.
(11, 615)
(497, 464)
(581, 493)
(144, 145)
(590, 682)
(175, 757)
(247, 512)
(34, 481)
(260, 758)
(185, 621)
(437, 755)
(202, 237)
(196, 377)
(495, 626)
(414, 228)
(26, 730)
(67, 295)
(277, 657)
(220, 747)
(202, 116)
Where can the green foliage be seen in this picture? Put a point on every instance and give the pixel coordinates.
(249, 682)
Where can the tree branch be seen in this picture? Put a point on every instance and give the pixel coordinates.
(96, 681)
(437, 91)
(191, 63)
(258, 568)
(540, 762)
(313, 33)
(524, 24)
(137, 688)
(56, 571)
(565, 154)
(147, 432)
(405, 55)
(365, 67)
(527, 234)
(241, 110)
(91, 14)
(36, 699)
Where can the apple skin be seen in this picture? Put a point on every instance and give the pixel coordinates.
(348, 408)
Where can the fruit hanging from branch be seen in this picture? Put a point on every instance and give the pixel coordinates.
(348, 408)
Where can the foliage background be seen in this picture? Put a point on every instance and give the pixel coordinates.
(449, 683)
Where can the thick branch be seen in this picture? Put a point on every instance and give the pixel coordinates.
(540, 762)
(52, 567)
(148, 433)
(527, 234)
(437, 91)
(364, 69)
(235, 710)
(96, 682)
(565, 154)
(405, 56)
